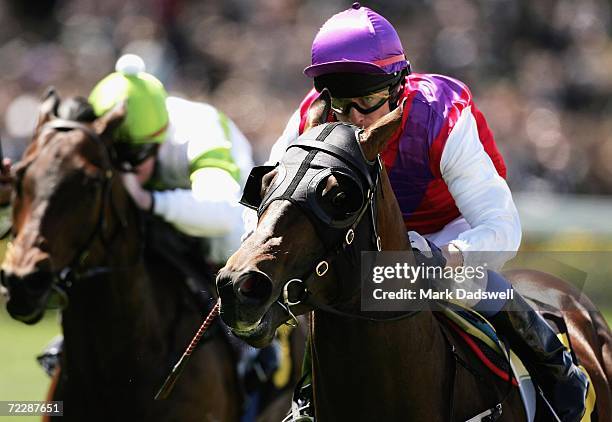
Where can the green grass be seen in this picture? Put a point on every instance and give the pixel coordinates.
(21, 378)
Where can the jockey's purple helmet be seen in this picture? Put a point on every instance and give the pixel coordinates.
(357, 40)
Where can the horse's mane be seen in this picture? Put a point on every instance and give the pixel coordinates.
(77, 109)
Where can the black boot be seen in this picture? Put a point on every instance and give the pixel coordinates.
(534, 341)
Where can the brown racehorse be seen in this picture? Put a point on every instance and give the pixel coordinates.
(410, 369)
(125, 323)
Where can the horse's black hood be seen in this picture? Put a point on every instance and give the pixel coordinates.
(328, 149)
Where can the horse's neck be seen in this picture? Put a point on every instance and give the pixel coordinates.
(395, 360)
(390, 221)
(114, 317)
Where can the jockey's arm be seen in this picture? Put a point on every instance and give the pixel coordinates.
(218, 170)
(210, 208)
(481, 195)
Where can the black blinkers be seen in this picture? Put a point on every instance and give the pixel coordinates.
(324, 173)
(251, 196)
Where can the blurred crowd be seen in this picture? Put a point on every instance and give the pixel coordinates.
(541, 71)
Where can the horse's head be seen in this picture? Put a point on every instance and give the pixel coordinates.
(317, 210)
(59, 190)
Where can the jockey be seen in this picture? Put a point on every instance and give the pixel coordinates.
(192, 157)
(446, 172)
(188, 163)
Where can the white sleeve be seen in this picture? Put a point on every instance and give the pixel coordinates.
(210, 208)
(482, 196)
(290, 134)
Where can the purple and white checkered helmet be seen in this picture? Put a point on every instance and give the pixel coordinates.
(357, 40)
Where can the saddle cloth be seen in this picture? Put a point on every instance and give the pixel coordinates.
(482, 339)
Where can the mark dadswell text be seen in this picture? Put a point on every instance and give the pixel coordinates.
(444, 295)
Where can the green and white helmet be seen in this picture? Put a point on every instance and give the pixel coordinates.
(146, 119)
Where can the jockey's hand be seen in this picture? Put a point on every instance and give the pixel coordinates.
(453, 255)
(425, 251)
(142, 197)
(6, 182)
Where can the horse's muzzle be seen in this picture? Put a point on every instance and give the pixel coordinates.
(27, 295)
(244, 297)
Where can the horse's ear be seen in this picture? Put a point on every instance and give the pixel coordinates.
(105, 125)
(48, 108)
(318, 110)
(374, 139)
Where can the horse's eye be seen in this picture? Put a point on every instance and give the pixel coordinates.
(340, 196)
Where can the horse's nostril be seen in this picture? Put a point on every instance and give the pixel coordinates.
(255, 287)
(248, 286)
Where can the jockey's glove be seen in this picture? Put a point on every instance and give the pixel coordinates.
(426, 253)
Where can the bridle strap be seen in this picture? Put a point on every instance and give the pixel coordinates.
(310, 300)
(307, 298)
(65, 125)
(64, 277)
(68, 272)
(84, 251)
(334, 150)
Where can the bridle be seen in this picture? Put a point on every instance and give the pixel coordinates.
(75, 271)
(345, 152)
(338, 253)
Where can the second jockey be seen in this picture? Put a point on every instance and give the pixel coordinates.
(446, 172)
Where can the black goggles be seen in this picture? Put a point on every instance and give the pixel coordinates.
(134, 154)
(365, 105)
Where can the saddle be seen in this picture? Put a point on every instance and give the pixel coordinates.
(482, 340)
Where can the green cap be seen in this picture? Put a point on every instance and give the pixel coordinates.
(146, 119)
